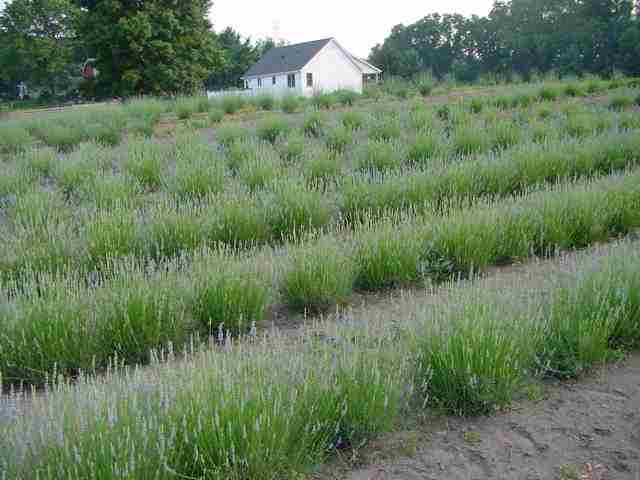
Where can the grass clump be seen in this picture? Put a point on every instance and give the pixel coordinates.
(338, 139)
(506, 134)
(473, 360)
(385, 131)
(185, 108)
(273, 129)
(293, 149)
(352, 120)
(620, 103)
(145, 162)
(295, 209)
(469, 141)
(62, 137)
(323, 166)
(574, 90)
(323, 100)
(377, 156)
(228, 297)
(318, 279)
(423, 149)
(199, 170)
(229, 135)
(14, 139)
(290, 103)
(476, 105)
(215, 116)
(548, 94)
(238, 220)
(346, 97)
(231, 104)
(266, 102)
(387, 258)
(314, 124)
(137, 316)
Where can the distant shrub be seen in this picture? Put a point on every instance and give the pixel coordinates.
(290, 104)
(352, 120)
(272, 129)
(338, 139)
(266, 102)
(314, 124)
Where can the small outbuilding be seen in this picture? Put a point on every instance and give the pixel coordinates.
(310, 67)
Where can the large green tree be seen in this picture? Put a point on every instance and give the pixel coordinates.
(150, 46)
(37, 42)
(519, 36)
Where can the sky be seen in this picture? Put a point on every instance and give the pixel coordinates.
(357, 24)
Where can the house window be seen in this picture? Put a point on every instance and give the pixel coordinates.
(259, 83)
(291, 80)
(273, 80)
(309, 80)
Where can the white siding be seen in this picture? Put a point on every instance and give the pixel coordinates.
(332, 70)
(280, 88)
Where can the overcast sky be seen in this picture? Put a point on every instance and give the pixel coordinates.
(357, 24)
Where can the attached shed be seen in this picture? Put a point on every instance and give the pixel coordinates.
(304, 68)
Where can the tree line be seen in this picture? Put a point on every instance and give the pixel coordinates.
(139, 46)
(519, 38)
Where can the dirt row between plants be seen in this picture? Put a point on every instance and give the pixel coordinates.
(582, 430)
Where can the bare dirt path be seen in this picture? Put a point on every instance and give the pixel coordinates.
(583, 430)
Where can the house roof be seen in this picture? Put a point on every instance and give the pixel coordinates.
(289, 58)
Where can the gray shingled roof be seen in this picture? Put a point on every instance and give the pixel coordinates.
(289, 58)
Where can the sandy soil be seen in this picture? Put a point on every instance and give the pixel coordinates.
(585, 430)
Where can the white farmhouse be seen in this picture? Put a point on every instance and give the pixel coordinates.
(305, 68)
